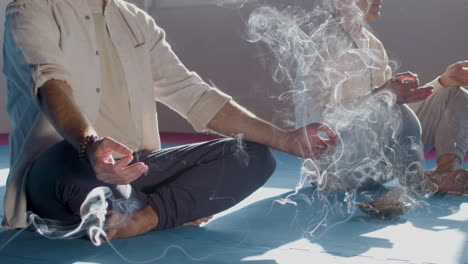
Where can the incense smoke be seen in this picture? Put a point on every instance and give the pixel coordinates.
(322, 56)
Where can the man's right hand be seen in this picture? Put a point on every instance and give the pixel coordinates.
(107, 169)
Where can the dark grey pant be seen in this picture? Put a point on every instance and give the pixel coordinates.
(183, 183)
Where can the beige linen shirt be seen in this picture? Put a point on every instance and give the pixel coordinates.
(55, 39)
(115, 113)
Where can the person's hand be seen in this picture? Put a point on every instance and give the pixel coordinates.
(107, 169)
(455, 75)
(308, 142)
(406, 88)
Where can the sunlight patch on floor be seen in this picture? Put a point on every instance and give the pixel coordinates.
(3, 176)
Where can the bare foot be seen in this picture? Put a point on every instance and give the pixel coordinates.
(199, 221)
(448, 176)
(125, 226)
(391, 205)
(449, 181)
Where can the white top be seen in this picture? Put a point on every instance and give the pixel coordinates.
(342, 77)
(115, 114)
(56, 40)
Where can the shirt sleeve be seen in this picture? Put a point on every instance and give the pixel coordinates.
(181, 90)
(32, 52)
(388, 72)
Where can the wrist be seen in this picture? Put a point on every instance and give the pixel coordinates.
(281, 140)
(86, 146)
(446, 82)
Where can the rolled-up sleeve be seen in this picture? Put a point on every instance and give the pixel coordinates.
(181, 90)
(32, 54)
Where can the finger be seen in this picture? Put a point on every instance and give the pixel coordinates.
(124, 176)
(103, 166)
(463, 64)
(318, 151)
(136, 169)
(417, 92)
(408, 86)
(319, 145)
(123, 162)
(406, 77)
(116, 147)
(331, 146)
(333, 141)
(413, 99)
(464, 69)
(327, 129)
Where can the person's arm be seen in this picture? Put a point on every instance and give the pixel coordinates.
(406, 88)
(57, 103)
(32, 42)
(207, 107)
(232, 119)
(456, 75)
(405, 85)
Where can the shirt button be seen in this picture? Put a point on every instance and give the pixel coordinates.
(87, 17)
(98, 90)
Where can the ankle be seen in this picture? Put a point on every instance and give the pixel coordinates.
(448, 162)
(147, 217)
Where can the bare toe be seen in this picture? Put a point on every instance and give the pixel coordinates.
(199, 221)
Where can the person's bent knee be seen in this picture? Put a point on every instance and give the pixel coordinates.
(261, 160)
(458, 98)
(411, 131)
(46, 177)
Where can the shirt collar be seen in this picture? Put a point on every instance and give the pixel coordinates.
(83, 4)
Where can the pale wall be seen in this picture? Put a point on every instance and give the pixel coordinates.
(423, 35)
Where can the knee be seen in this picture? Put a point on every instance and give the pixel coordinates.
(458, 99)
(261, 160)
(411, 130)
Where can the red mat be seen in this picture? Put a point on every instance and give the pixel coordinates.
(3, 139)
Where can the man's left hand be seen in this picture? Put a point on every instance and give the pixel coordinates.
(308, 142)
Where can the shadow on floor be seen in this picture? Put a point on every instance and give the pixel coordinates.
(251, 231)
